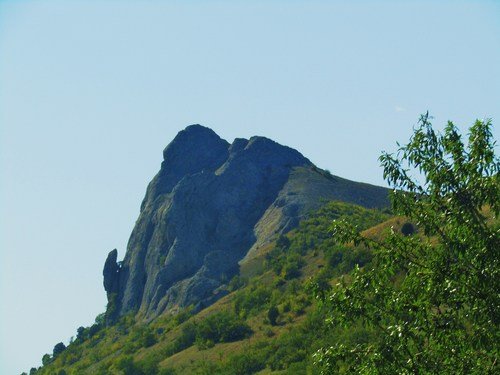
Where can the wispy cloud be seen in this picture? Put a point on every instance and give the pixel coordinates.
(399, 108)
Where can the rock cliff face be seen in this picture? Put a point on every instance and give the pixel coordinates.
(211, 206)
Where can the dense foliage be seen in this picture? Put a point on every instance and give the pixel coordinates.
(433, 300)
(287, 258)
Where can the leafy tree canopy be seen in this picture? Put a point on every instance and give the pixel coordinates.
(58, 349)
(433, 299)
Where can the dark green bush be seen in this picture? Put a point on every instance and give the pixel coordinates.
(246, 363)
(222, 327)
(58, 349)
(252, 300)
(272, 315)
(283, 242)
(236, 283)
(407, 229)
(148, 339)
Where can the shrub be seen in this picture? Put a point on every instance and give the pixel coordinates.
(246, 363)
(407, 229)
(272, 315)
(235, 283)
(251, 300)
(58, 349)
(46, 359)
(222, 327)
(283, 242)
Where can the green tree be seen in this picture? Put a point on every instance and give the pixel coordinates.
(148, 339)
(46, 359)
(432, 300)
(58, 349)
(272, 315)
(127, 366)
(407, 229)
(80, 333)
(283, 242)
(222, 327)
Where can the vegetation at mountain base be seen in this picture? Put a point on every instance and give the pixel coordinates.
(414, 290)
(433, 302)
(268, 322)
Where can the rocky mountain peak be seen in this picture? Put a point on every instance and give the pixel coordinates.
(193, 150)
(192, 138)
(211, 205)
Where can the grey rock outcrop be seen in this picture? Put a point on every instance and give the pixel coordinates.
(211, 205)
(111, 273)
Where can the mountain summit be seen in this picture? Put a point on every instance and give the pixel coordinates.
(209, 209)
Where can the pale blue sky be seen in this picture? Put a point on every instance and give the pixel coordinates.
(92, 91)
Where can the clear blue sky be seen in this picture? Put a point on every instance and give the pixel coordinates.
(92, 91)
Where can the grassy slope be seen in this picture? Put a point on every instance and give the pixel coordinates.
(279, 276)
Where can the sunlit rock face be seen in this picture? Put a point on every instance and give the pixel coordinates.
(209, 208)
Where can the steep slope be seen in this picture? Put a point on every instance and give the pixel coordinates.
(234, 335)
(210, 207)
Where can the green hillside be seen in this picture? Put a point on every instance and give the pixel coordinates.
(268, 323)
